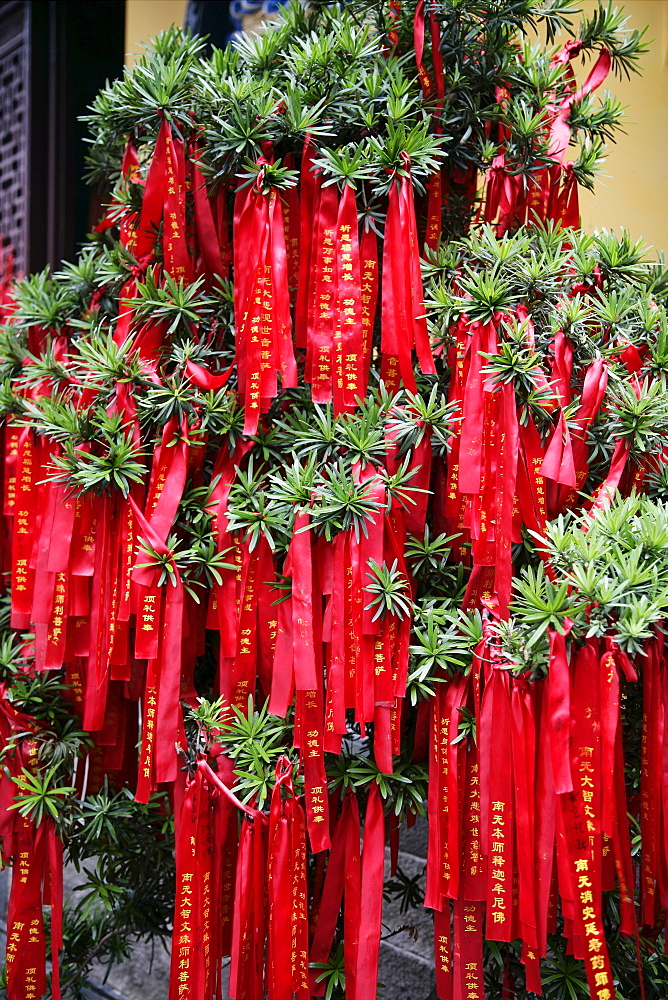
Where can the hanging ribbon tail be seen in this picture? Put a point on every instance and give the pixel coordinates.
(604, 495)
(558, 464)
(204, 379)
(55, 875)
(418, 41)
(212, 263)
(560, 712)
(561, 131)
(140, 574)
(373, 860)
(152, 201)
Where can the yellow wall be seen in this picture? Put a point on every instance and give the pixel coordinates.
(144, 18)
(633, 191)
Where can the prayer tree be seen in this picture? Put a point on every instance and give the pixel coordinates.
(335, 494)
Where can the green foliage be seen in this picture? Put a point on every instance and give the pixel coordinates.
(125, 851)
(405, 889)
(333, 975)
(443, 645)
(403, 791)
(87, 472)
(323, 72)
(254, 740)
(612, 579)
(390, 589)
(39, 795)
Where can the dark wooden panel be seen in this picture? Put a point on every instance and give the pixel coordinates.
(14, 91)
(54, 57)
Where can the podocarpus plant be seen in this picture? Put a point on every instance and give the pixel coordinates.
(347, 558)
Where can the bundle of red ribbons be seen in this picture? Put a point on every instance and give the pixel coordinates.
(516, 822)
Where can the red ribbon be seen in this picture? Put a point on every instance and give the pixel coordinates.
(560, 711)
(335, 879)
(211, 260)
(323, 299)
(373, 860)
(26, 946)
(349, 370)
